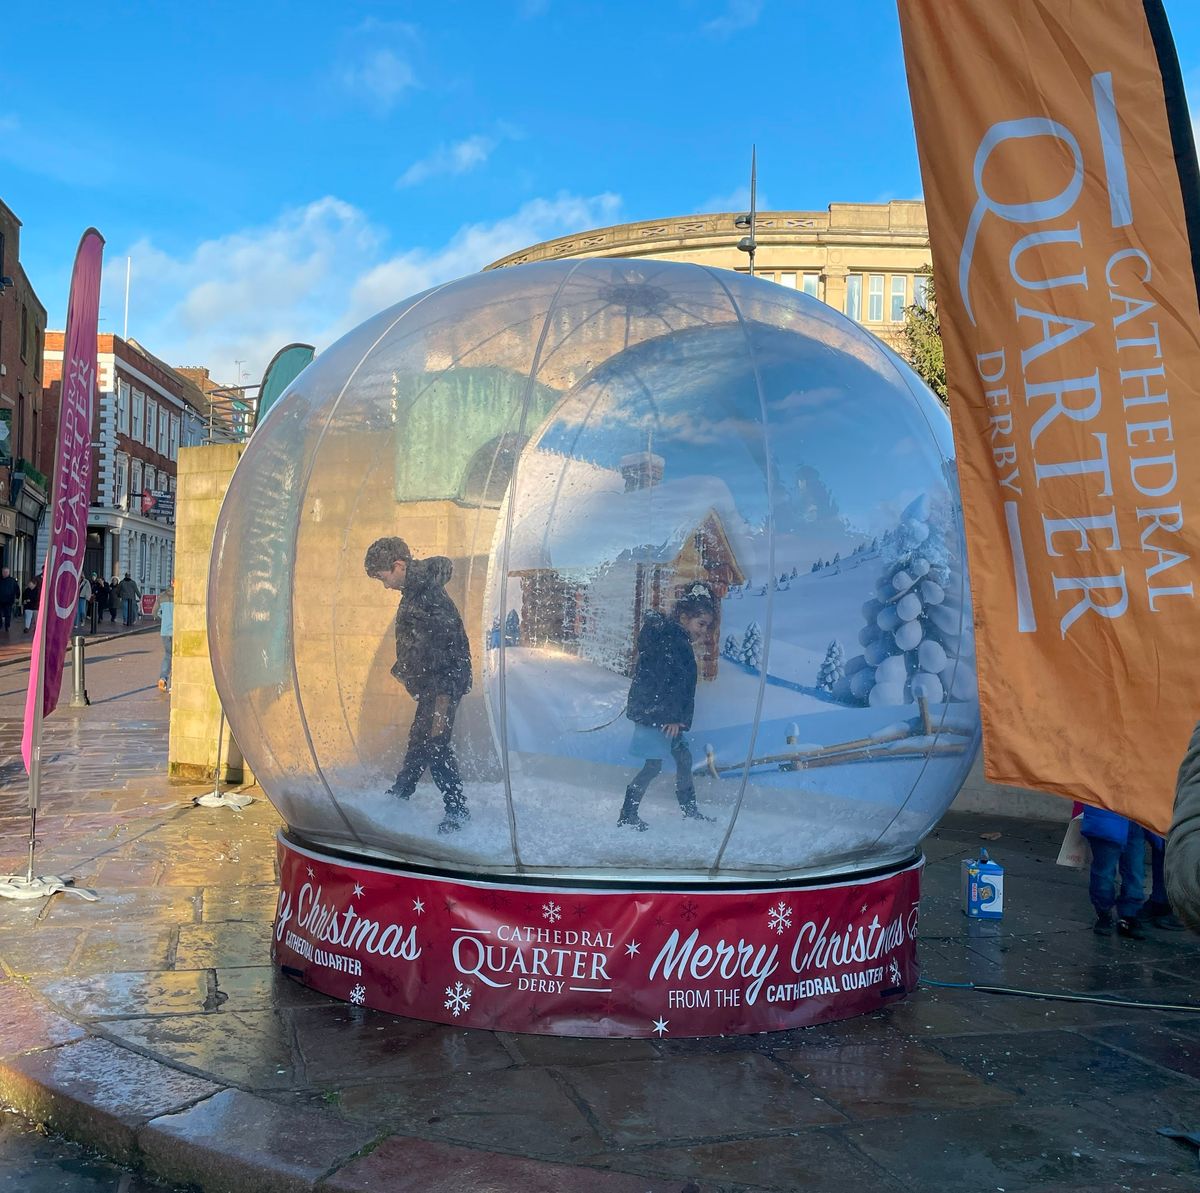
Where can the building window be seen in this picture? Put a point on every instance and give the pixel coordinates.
(854, 295)
(173, 439)
(810, 284)
(123, 407)
(164, 426)
(139, 407)
(120, 480)
(788, 279)
(149, 477)
(921, 290)
(24, 330)
(136, 488)
(875, 298)
(899, 294)
(151, 422)
(39, 336)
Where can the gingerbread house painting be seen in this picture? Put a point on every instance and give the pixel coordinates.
(610, 546)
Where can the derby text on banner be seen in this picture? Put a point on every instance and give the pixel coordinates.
(1060, 181)
(71, 492)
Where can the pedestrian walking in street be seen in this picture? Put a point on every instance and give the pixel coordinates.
(99, 597)
(10, 590)
(164, 609)
(130, 594)
(29, 601)
(1118, 845)
(662, 701)
(114, 600)
(85, 599)
(433, 661)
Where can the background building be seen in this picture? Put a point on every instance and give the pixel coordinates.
(23, 488)
(862, 258)
(145, 413)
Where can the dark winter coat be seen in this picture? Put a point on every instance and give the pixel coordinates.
(9, 591)
(1183, 841)
(433, 656)
(128, 590)
(663, 691)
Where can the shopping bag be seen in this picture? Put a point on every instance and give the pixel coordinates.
(1075, 851)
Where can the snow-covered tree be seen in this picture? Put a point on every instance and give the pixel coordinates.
(731, 649)
(831, 668)
(916, 638)
(752, 646)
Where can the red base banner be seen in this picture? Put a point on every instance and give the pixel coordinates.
(578, 961)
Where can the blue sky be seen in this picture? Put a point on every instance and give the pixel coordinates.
(280, 171)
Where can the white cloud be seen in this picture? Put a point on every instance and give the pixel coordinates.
(738, 15)
(310, 275)
(375, 64)
(458, 158)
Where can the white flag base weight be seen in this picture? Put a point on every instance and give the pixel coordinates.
(234, 800)
(18, 886)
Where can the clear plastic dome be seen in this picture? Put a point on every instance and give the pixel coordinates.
(567, 449)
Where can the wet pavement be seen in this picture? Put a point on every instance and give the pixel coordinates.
(152, 1025)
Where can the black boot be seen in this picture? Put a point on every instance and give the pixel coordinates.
(629, 817)
(691, 812)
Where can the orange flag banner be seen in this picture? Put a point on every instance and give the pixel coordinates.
(1064, 214)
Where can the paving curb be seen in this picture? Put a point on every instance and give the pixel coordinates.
(22, 659)
(182, 1128)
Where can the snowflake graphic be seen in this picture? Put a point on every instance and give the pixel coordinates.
(688, 909)
(358, 995)
(458, 999)
(551, 911)
(779, 917)
(894, 973)
(580, 910)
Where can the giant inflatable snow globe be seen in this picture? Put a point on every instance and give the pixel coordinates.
(600, 629)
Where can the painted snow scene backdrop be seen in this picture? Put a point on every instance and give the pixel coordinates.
(585, 441)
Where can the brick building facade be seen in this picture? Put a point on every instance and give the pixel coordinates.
(23, 488)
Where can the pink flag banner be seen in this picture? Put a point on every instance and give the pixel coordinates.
(71, 491)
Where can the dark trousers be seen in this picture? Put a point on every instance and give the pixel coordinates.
(1130, 860)
(427, 749)
(127, 604)
(685, 788)
(6, 614)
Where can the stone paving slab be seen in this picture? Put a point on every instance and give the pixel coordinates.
(153, 1023)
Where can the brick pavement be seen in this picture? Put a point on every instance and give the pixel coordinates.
(152, 1025)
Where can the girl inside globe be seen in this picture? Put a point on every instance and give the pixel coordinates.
(662, 699)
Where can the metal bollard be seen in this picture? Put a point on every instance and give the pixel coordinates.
(79, 696)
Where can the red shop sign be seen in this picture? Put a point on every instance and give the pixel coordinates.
(580, 962)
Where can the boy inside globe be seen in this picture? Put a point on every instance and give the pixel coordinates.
(662, 699)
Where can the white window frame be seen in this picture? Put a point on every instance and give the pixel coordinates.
(138, 417)
(123, 407)
(874, 298)
(164, 428)
(853, 306)
(149, 477)
(811, 284)
(120, 480)
(173, 438)
(899, 298)
(921, 290)
(151, 422)
(788, 278)
(135, 484)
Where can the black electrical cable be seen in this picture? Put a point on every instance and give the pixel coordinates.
(1062, 996)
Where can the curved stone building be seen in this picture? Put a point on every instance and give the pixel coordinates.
(862, 258)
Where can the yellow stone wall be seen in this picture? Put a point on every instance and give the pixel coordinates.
(204, 474)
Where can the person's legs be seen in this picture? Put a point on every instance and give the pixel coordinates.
(685, 786)
(6, 616)
(443, 767)
(164, 674)
(634, 792)
(1132, 864)
(1102, 881)
(416, 757)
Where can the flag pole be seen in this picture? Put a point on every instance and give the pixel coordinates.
(35, 755)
